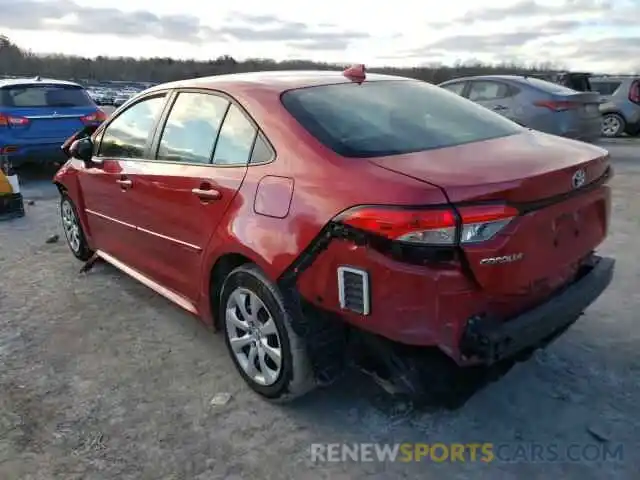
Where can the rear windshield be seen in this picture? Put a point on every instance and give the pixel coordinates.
(34, 96)
(392, 117)
(550, 87)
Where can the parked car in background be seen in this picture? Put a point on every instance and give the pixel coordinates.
(300, 212)
(535, 103)
(621, 106)
(37, 115)
(580, 81)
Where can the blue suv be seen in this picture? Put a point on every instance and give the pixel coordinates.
(38, 115)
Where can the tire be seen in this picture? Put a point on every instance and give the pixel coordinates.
(613, 125)
(73, 232)
(294, 377)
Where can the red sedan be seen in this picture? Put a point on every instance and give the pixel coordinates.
(302, 213)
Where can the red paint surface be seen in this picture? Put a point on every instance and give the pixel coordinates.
(263, 217)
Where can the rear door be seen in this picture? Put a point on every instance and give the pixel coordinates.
(494, 95)
(113, 210)
(200, 161)
(51, 112)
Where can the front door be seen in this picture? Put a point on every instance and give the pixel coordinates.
(201, 159)
(112, 213)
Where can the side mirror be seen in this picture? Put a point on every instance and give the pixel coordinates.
(82, 149)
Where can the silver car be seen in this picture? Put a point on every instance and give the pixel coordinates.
(621, 106)
(535, 103)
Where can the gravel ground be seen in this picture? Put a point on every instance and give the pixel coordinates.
(102, 378)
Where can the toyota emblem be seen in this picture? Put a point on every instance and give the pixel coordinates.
(578, 178)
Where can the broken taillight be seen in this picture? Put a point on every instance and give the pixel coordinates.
(431, 226)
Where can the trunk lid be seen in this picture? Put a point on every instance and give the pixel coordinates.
(48, 123)
(561, 222)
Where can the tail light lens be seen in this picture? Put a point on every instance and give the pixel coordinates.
(557, 106)
(95, 117)
(634, 92)
(11, 121)
(477, 223)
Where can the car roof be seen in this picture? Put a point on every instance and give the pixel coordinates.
(276, 81)
(16, 82)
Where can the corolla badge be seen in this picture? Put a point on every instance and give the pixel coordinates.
(514, 257)
(578, 178)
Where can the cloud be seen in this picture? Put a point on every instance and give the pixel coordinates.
(297, 34)
(580, 32)
(532, 8)
(69, 16)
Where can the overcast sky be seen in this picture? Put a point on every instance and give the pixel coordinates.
(594, 35)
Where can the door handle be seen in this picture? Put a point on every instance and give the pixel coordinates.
(500, 107)
(206, 194)
(124, 183)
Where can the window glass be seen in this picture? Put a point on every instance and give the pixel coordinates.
(36, 96)
(126, 136)
(192, 127)
(456, 88)
(605, 88)
(235, 140)
(480, 91)
(262, 152)
(381, 118)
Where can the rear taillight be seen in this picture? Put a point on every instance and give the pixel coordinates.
(477, 223)
(95, 117)
(558, 106)
(634, 92)
(12, 121)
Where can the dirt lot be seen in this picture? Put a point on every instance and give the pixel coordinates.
(102, 378)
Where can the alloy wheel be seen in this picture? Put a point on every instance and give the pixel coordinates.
(253, 337)
(71, 226)
(611, 126)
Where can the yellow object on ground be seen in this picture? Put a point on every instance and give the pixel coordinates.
(5, 186)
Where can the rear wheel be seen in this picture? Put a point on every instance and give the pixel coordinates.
(613, 125)
(73, 230)
(271, 358)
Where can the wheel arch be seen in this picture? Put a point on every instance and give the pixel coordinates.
(220, 269)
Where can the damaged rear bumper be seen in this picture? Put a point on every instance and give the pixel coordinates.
(489, 340)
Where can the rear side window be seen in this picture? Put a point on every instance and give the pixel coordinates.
(236, 139)
(456, 88)
(605, 88)
(192, 127)
(392, 117)
(485, 91)
(37, 96)
(262, 152)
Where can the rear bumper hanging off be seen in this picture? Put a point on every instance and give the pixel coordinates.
(490, 340)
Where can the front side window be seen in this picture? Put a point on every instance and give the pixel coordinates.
(126, 136)
(43, 96)
(236, 139)
(393, 117)
(192, 127)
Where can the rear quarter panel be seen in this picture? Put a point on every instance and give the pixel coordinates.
(324, 185)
